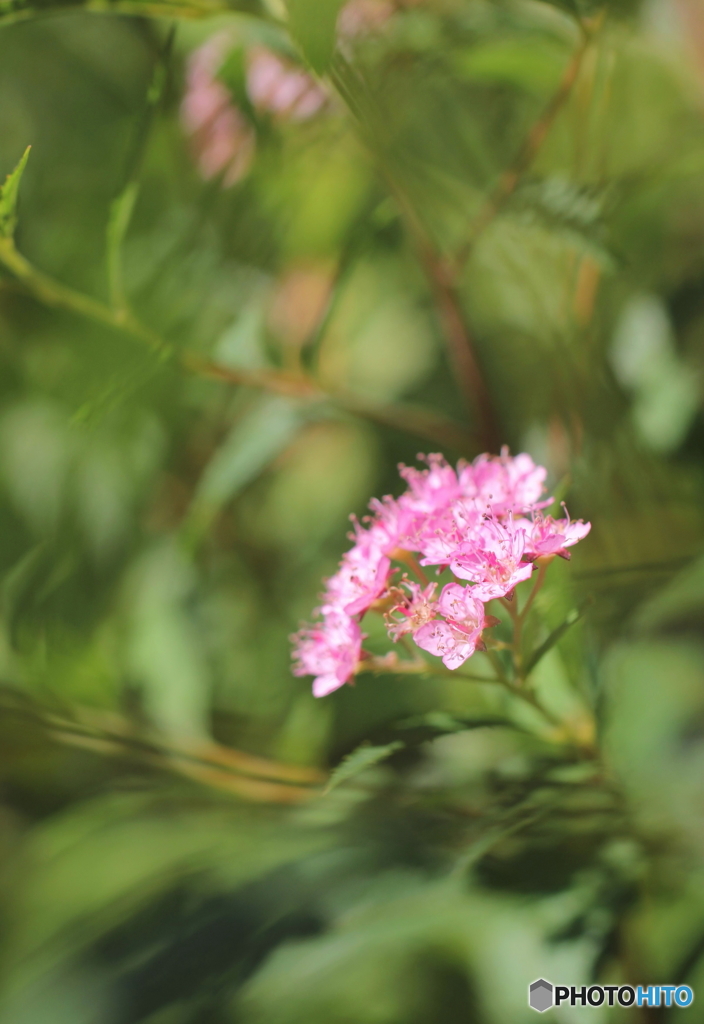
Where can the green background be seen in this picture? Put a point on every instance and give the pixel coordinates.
(162, 533)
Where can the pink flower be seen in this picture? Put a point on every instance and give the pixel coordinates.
(328, 650)
(221, 137)
(492, 560)
(415, 611)
(447, 641)
(439, 536)
(503, 483)
(547, 536)
(430, 489)
(459, 604)
(393, 523)
(363, 573)
(457, 638)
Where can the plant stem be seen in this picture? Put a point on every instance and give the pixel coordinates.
(519, 617)
(419, 666)
(529, 698)
(497, 666)
(59, 296)
(530, 147)
(437, 270)
(461, 347)
(392, 665)
(130, 8)
(539, 580)
(208, 755)
(516, 654)
(420, 422)
(409, 559)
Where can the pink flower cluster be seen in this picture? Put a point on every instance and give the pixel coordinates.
(482, 521)
(222, 137)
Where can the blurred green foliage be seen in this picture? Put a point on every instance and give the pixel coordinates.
(490, 232)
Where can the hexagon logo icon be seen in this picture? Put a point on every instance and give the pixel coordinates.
(540, 995)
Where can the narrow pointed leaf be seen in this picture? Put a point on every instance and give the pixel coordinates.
(8, 197)
(118, 223)
(313, 25)
(438, 723)
(359, 760)
(555, 636)
(255, 440)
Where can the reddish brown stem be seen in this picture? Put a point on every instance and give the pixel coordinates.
(460, 345)
(438, 272)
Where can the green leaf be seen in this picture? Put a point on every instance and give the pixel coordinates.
(118, 223)
(555, 636)
(536, 68)
(8, 198)
(233, 74)
(313, 26)
(164, 649)
(435, 723)
(572, 212)
(253, 443)
(359, 760)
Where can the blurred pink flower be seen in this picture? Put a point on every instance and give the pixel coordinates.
(362, 578)
(222, 140)
(363, 17)
(431, 489)
(278, 87)
(503, 483)
(359, 17)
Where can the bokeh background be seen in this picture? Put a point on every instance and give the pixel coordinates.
(481, 223)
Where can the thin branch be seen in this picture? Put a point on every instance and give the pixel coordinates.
(441, 273)
(543, 564)
(391, 664)
(212, 764)
(59, 296)
(408, 418)
(134, 8)
(458, 338)
(461, 348)
(530, 147)
(424, 424)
